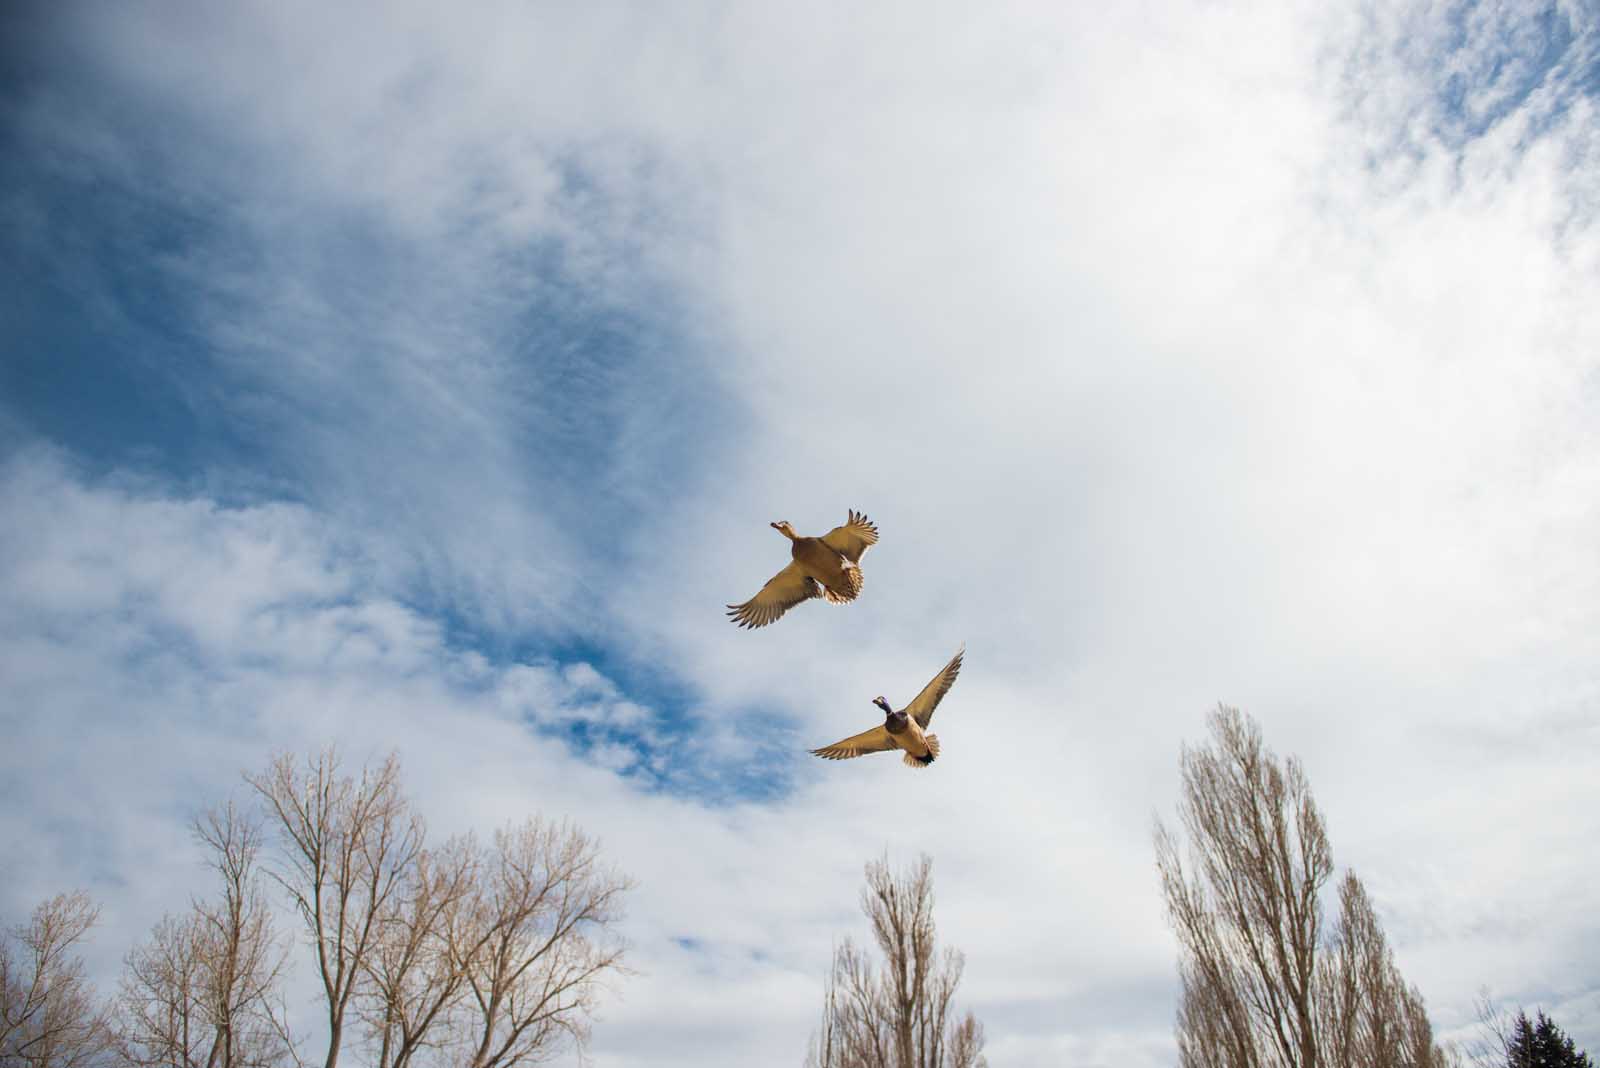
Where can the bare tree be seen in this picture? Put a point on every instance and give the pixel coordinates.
(1492, 1046)
(163, 1007)
(493, 957)
(347, 846)
(538, 943)
(417, 969)
(49, 1015)
(1371, 1017)
(858, 1028)
(1248, 920)
(244, 957)
(899, 1015)
(201, 991)
(1262, 983)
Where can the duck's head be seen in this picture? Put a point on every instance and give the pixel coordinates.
(881, 703)
(782, 527)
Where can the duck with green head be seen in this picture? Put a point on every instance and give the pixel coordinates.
(906, 729)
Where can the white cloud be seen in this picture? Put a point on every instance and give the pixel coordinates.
(1182, 353)
(130, 710)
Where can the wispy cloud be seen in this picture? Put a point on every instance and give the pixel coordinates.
(408, 365)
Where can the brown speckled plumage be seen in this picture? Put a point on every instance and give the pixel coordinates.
(826, 567)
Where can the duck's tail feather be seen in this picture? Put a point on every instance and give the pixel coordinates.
(933, 753)
(851, 590)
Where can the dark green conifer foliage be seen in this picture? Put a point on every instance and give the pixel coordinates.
(1541, 1044)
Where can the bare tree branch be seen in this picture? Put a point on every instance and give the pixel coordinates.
(899, 1016)
(49, 1015)
(1263, 985)
(201, 993)
(346, 846)
(417, 974)
(538, 943)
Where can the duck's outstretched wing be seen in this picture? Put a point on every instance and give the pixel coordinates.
(782, 592)
(876, 740)
(921, 709)
(852, 539)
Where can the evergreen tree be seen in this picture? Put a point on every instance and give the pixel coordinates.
(1541, 1044)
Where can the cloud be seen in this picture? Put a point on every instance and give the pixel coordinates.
(1229, 352)
(398, 350)
(230, 634)
(224, 634)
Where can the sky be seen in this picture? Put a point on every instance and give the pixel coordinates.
(424, 378)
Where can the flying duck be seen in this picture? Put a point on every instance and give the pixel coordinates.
(827, 567)
(903, 729)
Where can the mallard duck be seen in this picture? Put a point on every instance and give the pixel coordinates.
(826, 567)
(902, 729)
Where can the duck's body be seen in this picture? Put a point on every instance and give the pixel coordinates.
(907, 734)
(905, 730)
(826, 567)
(836, 573)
